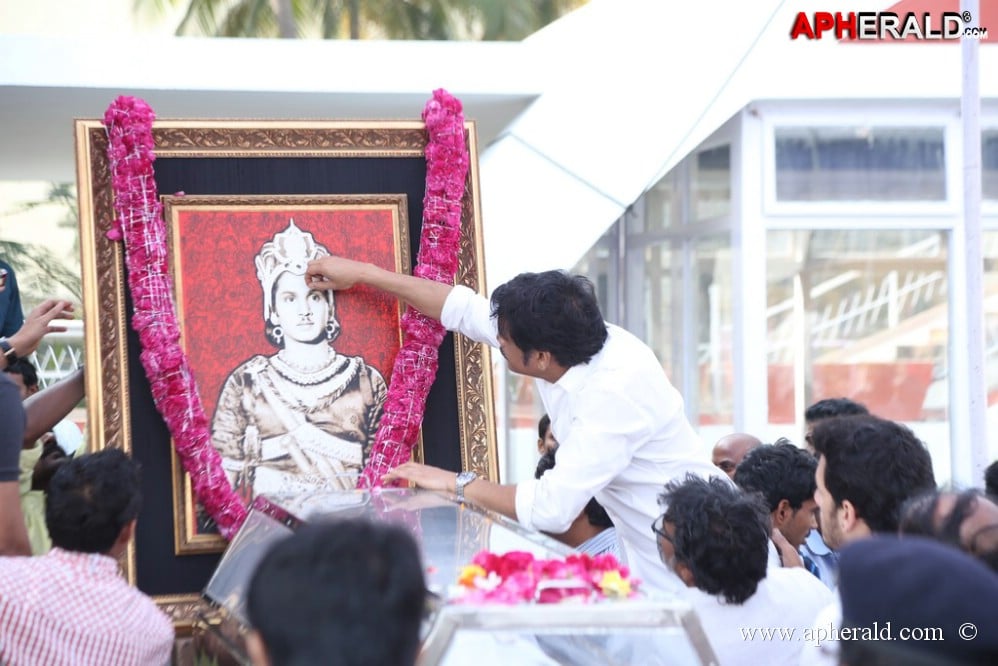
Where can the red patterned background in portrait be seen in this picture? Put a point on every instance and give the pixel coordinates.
(221, 305)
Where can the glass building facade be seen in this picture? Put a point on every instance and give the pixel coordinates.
(801, 253)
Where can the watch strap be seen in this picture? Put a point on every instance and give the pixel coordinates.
(7, 350)
(463, 479)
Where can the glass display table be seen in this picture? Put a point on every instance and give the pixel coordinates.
(450, 534)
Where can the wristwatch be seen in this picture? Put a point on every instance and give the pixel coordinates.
(8, 351)
(463, 479)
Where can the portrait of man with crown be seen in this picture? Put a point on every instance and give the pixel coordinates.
(290, 411)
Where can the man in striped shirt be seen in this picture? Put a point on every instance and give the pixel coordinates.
(72, 606)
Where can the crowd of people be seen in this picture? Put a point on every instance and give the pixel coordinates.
(834, 539)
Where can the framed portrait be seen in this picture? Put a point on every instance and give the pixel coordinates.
(229, 188)
(292, 380)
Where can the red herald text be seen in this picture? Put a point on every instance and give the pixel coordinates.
(877, 25)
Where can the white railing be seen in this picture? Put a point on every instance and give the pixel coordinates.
(59, 353)
(857, 312)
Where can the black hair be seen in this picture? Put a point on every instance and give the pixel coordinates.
(26, 369)
(918, 518)
(831, 407)
(542, 427)
(348, 592)
(874, 463)
(781, 471)
(551, 311)
(90, 499)
(991, 479)
(721, 535)
(595, 513)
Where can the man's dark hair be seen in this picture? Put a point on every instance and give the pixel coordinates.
(551, 311)
(781, 471)
(874, 463)
(542, 427)
(721, 535)
(91, 499)
(595, 513)
(832, 407)
(918, 518)
(346, 592)
(991, 479)
(26, 369)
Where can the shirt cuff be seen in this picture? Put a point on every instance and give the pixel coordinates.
(525, 502)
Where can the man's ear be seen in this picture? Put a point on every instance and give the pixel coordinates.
(544, 359)
(256, 649)
(847, 516)
(782, 513)
(125, 537)
(685, 574)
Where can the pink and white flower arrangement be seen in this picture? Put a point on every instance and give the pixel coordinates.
(518, 577)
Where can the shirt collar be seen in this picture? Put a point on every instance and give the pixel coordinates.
(94, 562)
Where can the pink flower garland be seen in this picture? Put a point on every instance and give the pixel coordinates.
(139, 222)
(416, 364)
(518, 577)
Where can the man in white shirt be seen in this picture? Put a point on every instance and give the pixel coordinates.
(715, 537)
(620, 423)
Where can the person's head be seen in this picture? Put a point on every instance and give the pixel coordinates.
(830, 408)
(290, 308)
(547, 319)
(967, 520)
(595, 514)
(731, 449)
(92, 503)
(867, 468)
(22, 372)
(915, 602)
(991, 479)
(545, 438)
(713, 536)
(784, 475)
(347, 592)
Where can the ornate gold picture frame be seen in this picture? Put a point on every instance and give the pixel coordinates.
(263, 159)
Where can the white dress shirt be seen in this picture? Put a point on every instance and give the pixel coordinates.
(622, 435)
(787, 599)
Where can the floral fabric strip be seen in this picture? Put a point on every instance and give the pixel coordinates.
(140, 224)
(416, 364)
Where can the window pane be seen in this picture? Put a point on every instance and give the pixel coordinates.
(662, 206)
(710, 183)
(990, 251)
(664, 326)
(861, 314)
(714, 328)
(860, 164)
(989, 163)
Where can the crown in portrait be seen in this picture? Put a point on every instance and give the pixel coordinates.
(288, 252)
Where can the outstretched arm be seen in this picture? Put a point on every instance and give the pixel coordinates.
(492, 496)
(49, 406)
(425, 295)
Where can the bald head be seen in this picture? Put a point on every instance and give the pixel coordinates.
(731, 449)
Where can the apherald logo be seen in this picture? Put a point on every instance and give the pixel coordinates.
(886, 26)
